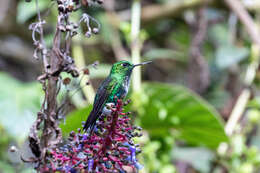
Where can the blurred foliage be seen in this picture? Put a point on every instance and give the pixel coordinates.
(164, 54)
(227, 54)
(180, 127)
(203, 157)
(243, 158)
(26, 10)
(167, 106)
(19, 102)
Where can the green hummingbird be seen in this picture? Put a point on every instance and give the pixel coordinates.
(116, 84)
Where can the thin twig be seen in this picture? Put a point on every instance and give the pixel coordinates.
(44, 49)
(199, 77)
(240, 105)
(135, 44)
(253, 32)
(156, 12)
(242, 100)
(246, 19)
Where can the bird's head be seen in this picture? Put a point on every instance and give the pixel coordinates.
(125, 67)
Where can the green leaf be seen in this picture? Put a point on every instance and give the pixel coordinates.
(19, 103)
(203, 157)
(181, 39)
(167, 168)
(219, 34)
(166, 107)
(164, 54)
(74, 120)
(228, 55)
(6, 167)
(27, 10)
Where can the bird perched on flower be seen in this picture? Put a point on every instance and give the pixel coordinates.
(116, 85)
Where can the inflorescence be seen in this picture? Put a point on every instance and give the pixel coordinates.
(109, 149)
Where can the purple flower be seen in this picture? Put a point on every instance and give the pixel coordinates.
(132, 149)
(109, 148)
(90, 164)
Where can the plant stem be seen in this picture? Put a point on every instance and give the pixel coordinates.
(155, 11)
(135, 44)
(44, 50)
(110, 135)
(245, 95)
(239, 108)
(88, 90)
(237, 7)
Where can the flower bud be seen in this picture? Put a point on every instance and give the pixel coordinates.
(88, 34)
(95, 30)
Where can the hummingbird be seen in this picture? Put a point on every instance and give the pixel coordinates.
(116, 85)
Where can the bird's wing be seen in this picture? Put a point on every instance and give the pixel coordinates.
(100, 100)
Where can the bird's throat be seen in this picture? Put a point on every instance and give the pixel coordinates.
(126, 83)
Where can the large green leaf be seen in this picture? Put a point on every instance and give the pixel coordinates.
(74, 120)
(166, 107)
(19, 104)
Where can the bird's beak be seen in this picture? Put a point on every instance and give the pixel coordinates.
(143, 63)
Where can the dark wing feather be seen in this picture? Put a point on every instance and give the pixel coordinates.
(99, 103)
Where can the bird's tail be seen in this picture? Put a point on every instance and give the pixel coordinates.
(90, 123)
(90, 129)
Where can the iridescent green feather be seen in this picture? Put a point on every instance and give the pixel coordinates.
(116, 84)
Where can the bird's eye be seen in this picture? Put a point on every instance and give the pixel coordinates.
(124, 64)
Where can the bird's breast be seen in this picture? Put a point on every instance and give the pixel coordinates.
(126, 86)
(106, 110)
